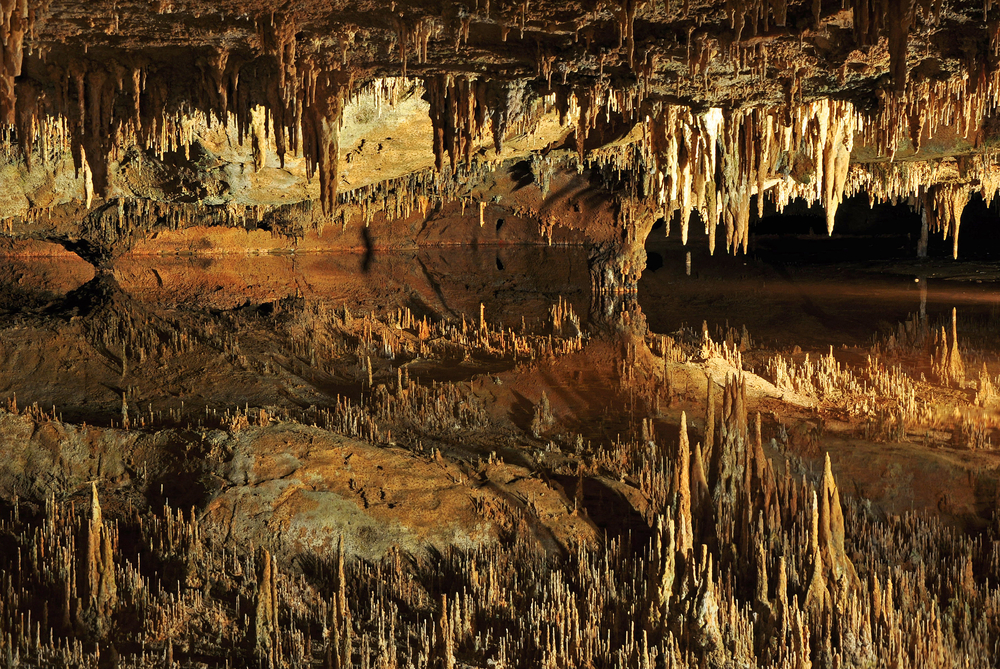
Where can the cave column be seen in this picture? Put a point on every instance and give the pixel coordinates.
(922, 243)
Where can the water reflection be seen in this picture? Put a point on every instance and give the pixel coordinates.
(809, 305)
(272, 330)
(33, 282)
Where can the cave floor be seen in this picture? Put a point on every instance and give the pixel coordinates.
(206, 343)
(442, 399)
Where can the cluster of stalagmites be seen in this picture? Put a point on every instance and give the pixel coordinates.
(323, 346)
(890, 403)
(742, 564)
(386, 345)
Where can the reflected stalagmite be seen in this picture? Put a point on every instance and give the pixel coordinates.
(748, 573)
(340, 337)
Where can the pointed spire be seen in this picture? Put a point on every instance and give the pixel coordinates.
(265, 619)
(94, 531)
(781, 594)
(831, 533)
(709, 416)
(96, 518)
(761, 592)
(816, 594)
(444, 639)
(698, 482)
(685, 538)
(956, 368)
(708, 635)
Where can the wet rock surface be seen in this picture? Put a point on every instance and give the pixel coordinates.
(465, 459)
(498, 334)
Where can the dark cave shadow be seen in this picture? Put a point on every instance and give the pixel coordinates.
(522, 174)
(369, 256)
(607, 508)
(522, 411)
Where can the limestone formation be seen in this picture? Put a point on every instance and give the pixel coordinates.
(442, 447)
(244, 107)
(685, 538)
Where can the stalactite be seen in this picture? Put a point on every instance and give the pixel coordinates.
(16, 19)
(321, 135)
(758, 14)
(458, 112)
(714, 162)
(944, 204)
(108, 106)
(892, 19)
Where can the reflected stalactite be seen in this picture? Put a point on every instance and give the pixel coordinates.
(756, 558)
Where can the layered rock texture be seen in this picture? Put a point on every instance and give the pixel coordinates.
(301, 119)
(460, 444)
(267, 476)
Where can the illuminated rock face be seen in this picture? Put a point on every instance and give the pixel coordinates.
(458, 443)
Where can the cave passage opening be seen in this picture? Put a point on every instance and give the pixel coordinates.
(798, 286)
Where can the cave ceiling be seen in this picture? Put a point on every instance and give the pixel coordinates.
(681, 107)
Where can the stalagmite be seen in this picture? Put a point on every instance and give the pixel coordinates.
(266, 611)
(706, 612)
(95, 530)
(956, 368)
(781, 594)
(831, 535)
(100, 565)
(662, 572)
(685, 536)
(761, 597)
(817, 595)
(343, 619)
(699, 481)
(444, 639)
(709, 415)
